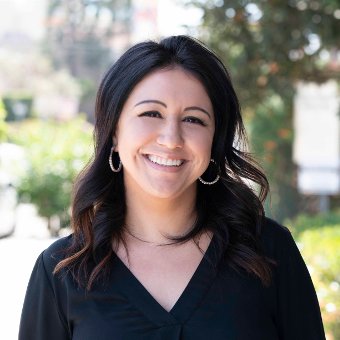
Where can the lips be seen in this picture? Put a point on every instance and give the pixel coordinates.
(165, 161)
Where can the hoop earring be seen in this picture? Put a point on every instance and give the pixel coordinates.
(214, 181)
(111, 163)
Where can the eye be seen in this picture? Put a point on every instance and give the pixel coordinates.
(152, 114)
(194, 120)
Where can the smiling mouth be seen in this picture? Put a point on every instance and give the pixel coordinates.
(165, 161)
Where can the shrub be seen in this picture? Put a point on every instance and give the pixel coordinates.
(18, 107)
(320, 249)
(3, 125)
(56, 152)
(305, 222)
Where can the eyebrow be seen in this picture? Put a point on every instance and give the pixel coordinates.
(190, 108)
(197, 108)
(151, 101)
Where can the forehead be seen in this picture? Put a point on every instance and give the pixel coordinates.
(174, 83)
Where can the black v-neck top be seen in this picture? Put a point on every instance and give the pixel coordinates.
(218, 302)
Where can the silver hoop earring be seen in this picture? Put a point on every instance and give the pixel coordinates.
(214, 181)
(111, 162)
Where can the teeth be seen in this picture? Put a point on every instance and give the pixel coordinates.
(164, 161)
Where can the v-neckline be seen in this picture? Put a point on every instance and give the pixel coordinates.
(190, 297)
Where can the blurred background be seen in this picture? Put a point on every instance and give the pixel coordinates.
(283, 57)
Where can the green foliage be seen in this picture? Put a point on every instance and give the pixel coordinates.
(268, 46)
(271, 139)
(318, 238)
(3, 125)
(305, 222)
(18, 106)
(320, 249)
(56, 152)
(268, 43)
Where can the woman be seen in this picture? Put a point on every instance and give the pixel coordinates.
(169, 241)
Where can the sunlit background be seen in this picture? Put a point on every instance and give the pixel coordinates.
(283, 57)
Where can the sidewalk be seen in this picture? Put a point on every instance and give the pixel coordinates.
(17, 257)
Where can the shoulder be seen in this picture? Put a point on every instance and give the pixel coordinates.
(276, 238)
(272, 228)
(52, 255)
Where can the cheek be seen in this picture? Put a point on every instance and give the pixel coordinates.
(134, 132)
(201, 140)
(201, 145)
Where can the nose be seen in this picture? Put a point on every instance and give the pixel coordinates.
(170, 135)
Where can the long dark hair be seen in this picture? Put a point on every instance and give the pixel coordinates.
(231, 208)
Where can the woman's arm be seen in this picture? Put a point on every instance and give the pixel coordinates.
(41, 318)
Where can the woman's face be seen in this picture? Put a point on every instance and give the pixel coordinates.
(164, 134)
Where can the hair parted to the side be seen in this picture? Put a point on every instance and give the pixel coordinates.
(229, 208)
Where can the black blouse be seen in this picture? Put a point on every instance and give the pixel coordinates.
(218, 303)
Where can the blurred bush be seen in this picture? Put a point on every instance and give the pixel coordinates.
(3, 125)
(56, 152)
(318, 238)
(305, 222)
(18, 106)
(320, 249)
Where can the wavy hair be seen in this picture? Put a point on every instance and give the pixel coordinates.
(231, 208)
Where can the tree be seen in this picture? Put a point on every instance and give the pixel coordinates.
(56, 151)
(268, 46)
(80, 35)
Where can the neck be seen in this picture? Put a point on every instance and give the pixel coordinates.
(153, 219)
